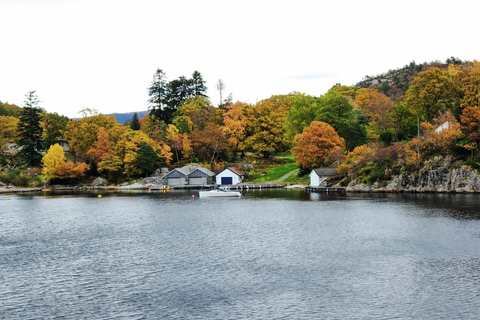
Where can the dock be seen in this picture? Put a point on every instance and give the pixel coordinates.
(325, 190)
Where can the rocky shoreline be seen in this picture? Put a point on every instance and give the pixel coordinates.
(439, 175)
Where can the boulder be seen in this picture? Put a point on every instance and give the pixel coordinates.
(100, 182)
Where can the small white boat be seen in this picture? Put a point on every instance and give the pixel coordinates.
(219, 193)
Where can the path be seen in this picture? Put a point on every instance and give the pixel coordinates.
(286, 176)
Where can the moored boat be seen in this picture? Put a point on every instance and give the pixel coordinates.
(219, 193)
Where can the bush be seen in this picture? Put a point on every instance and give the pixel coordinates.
(10, 176)
(386, 137)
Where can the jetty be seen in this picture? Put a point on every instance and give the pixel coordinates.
(325, 190)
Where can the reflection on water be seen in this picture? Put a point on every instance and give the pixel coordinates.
(271, 254)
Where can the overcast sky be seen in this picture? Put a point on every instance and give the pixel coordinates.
(102, 54)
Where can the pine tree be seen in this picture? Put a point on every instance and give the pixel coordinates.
(30, 131)
(135, 123)
(146, 158)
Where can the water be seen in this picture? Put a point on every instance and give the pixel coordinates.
(274, 254)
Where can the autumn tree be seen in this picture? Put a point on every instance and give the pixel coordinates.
(266, 132)
(30, 131)
(378, 108)
(54, 157)
(315, 143)
(55, 165)
(432, 92)
(235, 125)
(208, 143)
(441, 136)
(470, 124)
(8, 129)
(468, 81)
(101, 146)
(82, 134)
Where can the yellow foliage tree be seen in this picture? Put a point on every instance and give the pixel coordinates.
(53, 158)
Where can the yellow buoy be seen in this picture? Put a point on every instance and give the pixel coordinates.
(99, 195)
(6, 196)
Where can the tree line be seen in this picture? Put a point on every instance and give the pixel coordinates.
(354, 128)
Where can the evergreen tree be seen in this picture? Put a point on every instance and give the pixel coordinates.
(30, 131)
(146, 158)
(135, 124)
(167, 97)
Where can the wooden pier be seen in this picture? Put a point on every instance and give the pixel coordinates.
(325, 190)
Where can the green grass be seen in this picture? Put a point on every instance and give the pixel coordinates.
(275, 173)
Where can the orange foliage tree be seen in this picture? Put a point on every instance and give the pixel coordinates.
(315, 143)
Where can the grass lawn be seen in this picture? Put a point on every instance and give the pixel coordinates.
(275, 173)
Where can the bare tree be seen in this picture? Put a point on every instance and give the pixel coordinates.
(220, 87)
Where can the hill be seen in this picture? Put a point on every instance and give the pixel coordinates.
(394, 83)
(123, 117)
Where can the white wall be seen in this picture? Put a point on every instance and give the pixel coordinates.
(314, 179)
(236, 179)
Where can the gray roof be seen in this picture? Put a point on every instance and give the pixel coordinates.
(325, 172)
(187, 170)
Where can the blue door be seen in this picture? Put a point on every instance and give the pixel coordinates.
(227, 180)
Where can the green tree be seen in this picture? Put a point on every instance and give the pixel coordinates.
(158, 92)
(146, 158)
(54, 128)
(167, 97)
(336, 111)
(135, 123)
(300, 115)
(30, 131)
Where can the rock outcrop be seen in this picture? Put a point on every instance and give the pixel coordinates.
(442, 175)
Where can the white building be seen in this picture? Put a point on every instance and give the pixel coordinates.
(319, 175)
(229, 176)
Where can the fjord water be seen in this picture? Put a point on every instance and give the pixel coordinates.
(274, 254)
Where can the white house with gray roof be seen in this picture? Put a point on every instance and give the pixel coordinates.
(319, 175)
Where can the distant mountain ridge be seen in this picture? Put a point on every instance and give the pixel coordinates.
(123, 117)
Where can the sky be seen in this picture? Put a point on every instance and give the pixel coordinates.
(102, 54)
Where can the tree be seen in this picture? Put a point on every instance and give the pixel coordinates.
(235, 125)
(158, 92)
(470, 124)
(197, 85)
(167, 97)
(55, 165)
(8, 129)
(146, 158)
(432, 92)
(336, 111)
(220, 87)
(101, 146)
(54, 157)
(54, 128)
(266, 127)
(301, 114)
(315, 143)
(377, 107)
(30, 131)
(135, 124)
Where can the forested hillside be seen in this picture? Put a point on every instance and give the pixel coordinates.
(382, 126)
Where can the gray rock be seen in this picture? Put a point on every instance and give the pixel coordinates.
(100, 182)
